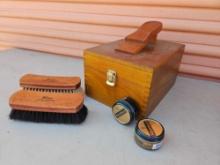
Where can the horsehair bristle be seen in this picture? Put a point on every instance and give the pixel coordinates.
(53, 90)
(48, 117)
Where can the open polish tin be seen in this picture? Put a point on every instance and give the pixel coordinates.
(149, 134)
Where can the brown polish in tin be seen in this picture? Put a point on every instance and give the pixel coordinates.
(149, 134)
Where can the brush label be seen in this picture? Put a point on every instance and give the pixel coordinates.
(46, 99)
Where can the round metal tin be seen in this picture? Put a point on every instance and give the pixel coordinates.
(149, 134)
(124, 110)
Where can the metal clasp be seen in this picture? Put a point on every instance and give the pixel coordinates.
(111, 78)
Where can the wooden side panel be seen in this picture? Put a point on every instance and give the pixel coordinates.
(130, 81)
(4, 47)
(164, 78)
(68, 27)
(179, 3)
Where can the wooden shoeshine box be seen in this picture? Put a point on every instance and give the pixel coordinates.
(145, 77)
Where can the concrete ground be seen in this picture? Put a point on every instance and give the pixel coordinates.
(190, 114)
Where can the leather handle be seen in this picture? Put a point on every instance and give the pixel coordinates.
(146, 34)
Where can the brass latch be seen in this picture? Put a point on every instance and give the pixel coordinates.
(111, 78)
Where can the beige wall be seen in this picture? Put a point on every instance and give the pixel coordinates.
(67, 26)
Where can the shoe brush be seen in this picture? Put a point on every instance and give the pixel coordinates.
(49, 107)
(44, 83)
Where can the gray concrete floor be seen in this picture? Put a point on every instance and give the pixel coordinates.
(190, 114)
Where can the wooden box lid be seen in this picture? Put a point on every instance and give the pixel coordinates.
(148, 58)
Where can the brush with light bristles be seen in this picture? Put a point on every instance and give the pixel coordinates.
(43, 83)
(48, 107)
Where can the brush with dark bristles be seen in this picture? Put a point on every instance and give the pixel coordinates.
(48, 107)
(44, 83)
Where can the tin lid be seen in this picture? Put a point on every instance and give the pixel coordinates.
(124, 110)
(150, 130)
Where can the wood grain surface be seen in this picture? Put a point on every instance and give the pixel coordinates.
(49, 82)
(46, 101)
(145, 77)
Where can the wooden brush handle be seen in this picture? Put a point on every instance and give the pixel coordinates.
(138, 40)
(47, 101)
(49, 82)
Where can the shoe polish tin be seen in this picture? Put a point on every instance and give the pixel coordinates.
(124, 110)
(149, 134)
